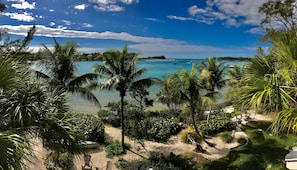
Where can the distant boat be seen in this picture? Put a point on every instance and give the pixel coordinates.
(174, 62)
(190, 62)
(231, 66)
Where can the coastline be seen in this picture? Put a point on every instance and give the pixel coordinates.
(83, 106)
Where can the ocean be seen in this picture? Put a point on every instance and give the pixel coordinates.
(155, 68)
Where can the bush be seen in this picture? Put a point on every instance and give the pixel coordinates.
(149, 126)
(226, 137)
(87, 126)
(189, 131)
(216, 124)
(160, 129)
(110, 118)
(114, 148)
(242, 140)
(65, 161)
(158, 161)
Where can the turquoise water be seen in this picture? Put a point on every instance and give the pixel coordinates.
(155, 68)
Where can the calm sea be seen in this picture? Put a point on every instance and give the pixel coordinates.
(155, 68)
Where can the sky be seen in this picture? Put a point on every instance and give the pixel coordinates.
(172, 28)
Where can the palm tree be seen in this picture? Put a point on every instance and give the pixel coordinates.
(121, 73)
(266, 85)
(191, 90)
(235, 75)
(168, 95)
(213, 73)
(61, 70)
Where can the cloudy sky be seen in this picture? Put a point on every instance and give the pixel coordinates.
(174, 28)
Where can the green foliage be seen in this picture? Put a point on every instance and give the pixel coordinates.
(65, 161)
(110, 118)
(257, 154)
(87, 126)
(189, 131)
(226, 137)
(158, 161)
(114, 148)
(242, 140)
(151, 126)
(160, 129)
(216, 124)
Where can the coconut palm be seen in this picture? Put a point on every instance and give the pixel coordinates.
(213, 73)
(120, 72)
(61, 69)
(192, 94)
(168, 95)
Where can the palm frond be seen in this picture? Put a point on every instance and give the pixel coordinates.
(83, 79)
(85, 93)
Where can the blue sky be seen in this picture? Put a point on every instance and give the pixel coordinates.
(173, 28)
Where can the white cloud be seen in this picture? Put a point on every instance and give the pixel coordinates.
(231, 12)
(87, 25)
(21, 17)
(52, 24)
(80, 7)
(129, 1)
(179, 18)
(155, 20)
(66, 22)
(146, 45)
(109, 8)
(111, 5)
(256, 30)
(24, 5)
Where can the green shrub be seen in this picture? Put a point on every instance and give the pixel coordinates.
(86, 126)
(114, 148)
(110, 118)
(160, 129)
(242, 140)
(189, 131)
(141, 126)
(65, 161)
(216, 124)
(226, 137)
(158, 161)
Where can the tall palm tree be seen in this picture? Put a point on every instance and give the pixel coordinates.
(61, 70)
(191, 89)
(120, 72)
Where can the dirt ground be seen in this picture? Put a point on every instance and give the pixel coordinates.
(174, 145)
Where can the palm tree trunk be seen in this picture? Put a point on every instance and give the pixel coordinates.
(122, 122)
(198, 132)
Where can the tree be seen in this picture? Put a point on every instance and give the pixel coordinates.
(279, 12)
(139, 94)
(266, 85)
(213, 75)
(191, 90)
(61, 70)
(121, 73)
(168, 95)
(28, 109)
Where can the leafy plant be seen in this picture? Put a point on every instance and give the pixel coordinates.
(114, 148)
(226, 137)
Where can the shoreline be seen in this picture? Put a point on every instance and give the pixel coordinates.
(87, 107)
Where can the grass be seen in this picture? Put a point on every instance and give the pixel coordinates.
(263, 151)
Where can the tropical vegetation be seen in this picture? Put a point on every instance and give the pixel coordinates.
(120, 72)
